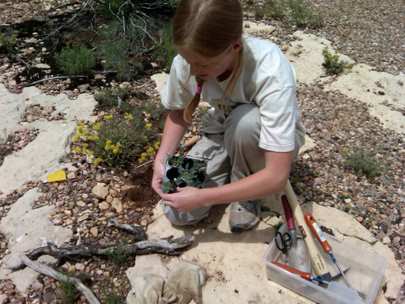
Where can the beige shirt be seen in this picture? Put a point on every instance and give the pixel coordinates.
(266, 79)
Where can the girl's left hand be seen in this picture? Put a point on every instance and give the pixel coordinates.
(185, 199)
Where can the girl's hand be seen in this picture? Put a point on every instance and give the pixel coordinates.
(185, 199)
(157, 178)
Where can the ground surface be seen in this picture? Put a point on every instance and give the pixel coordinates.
(368, 31)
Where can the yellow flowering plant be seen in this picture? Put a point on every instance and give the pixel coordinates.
(119, 139)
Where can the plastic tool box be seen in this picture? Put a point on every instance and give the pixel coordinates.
(365, 274)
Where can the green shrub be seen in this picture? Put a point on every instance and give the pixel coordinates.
(108, 98)
(7, 42)
(295, 12)
(76, 60)
(332, 64)
(302, 15)
(363, 163)
(165, 51)
(121, 51)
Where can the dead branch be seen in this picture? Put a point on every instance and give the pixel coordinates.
(53, 78)
(137, 231)
(49, 271)
(162, 246)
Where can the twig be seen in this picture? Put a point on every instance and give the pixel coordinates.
(144, 164)
(49, 271)
(53, 78)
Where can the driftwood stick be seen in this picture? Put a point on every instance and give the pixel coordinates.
(49, 271)
(162, 246)
(137, 231)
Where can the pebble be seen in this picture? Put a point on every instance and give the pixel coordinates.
(386, 240)
(94, 231)
(100, 190)
(103, 206)
(79, 266)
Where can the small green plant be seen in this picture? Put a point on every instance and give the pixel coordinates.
(363, 163)
(165, 51)
(109, 98)
(332, 64)
(114, 299)
(7, 42)
(295, 12)
(76, 60)
(182, 171)
(69, 292)
(119, 255)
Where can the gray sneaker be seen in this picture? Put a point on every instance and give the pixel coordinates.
(243, 216)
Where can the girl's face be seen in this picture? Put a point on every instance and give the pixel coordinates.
(211, 67)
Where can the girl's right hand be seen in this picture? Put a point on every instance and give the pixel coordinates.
(157, 178)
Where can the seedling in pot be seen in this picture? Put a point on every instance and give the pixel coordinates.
(182, 171)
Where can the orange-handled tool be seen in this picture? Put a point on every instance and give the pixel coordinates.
(318, 233)
(305, 275)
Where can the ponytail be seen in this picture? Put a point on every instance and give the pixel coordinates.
(193, 104)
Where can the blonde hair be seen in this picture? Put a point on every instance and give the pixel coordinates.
(208, 27)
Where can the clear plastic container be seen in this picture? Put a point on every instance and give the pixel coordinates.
(364, 276)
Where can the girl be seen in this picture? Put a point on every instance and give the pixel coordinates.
(252, 132)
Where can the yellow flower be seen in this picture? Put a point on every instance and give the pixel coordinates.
(97, 161)
(93, 137)
(150, 151)
(156, 145)
(108, 117)
(77, 150)
(108, 145)
(148, 126)
(128, 116)
(116, 149)
(75, 138)
(96, 126)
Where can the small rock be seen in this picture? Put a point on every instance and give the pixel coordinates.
(31, 40)
(100, 190)
(109, 199)
(83, 217)
(94, 231)
(104, 206)
(386, 240)
(117, 205)
(80, 203)
(79, 267)
(42, 66)
(71, 175)
(83, 87)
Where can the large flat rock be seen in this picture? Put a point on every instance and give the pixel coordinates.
(27, 229)
(383, 92)
(38, 158)
(235, 262)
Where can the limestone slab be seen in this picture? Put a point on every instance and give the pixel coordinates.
(383, 92)
(38, 158)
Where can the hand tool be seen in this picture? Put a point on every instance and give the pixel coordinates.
(318, 233)
(349, 294)
(289, 219)
(319, 263)
(283, 241)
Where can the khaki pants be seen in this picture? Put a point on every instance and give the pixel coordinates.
(230, 156)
